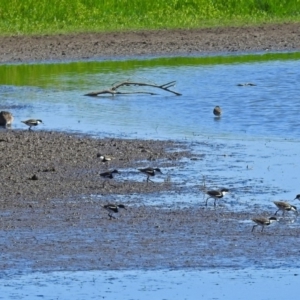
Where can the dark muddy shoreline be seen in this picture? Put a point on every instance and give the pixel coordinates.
(273, 37)
(37, 166)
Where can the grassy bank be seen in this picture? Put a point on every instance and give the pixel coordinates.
(64, 16)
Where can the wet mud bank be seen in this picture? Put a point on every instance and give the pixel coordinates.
(52, 215)
(272, 37)
(38, 166)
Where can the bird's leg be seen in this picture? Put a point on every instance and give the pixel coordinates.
(262, 229)
(276, 212)
(253, 227)
(111, 216)
(207, 200)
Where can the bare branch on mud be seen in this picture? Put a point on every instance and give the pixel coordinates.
(113, 90)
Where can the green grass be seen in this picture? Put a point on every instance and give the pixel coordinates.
(65, 16)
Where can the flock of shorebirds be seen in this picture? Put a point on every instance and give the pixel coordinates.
(282, 206)
(6, 119)
(259, 221)
(216, 195)
(114, 208)
(212, 194)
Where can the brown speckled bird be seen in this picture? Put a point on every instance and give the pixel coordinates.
(217, 111)
(6, 118)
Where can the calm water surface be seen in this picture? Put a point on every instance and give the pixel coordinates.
(253, 147)
(149, 285)
(54, 93)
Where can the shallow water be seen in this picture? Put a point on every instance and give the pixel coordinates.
(54, 93)
(252, 149)
(161, 285)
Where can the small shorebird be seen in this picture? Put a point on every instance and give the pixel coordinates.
(109, 174)
(150, 172)
(216, 194)
(104, 158)
(112, 208)
(246, 84)
(262, 221)
(217, 111)
(285, 206)
(297, 197)
(6, 118)
(32, 122)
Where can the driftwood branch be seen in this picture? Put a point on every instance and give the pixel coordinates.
(113, 90)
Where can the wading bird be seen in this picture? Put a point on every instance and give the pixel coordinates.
(262, 221)
(285, 206)
(150, 172)
(32, 122)
(216, 194)
(113, 208)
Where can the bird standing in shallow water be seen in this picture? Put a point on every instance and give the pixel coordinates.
(32, 122)
(285, 206)
(150, 172)
(109, 174)
(217, 111)
(6, 118)
(216, 194)
(112, 208)
(262, 221)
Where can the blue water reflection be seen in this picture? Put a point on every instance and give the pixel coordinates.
(269, 109)
(135, 285)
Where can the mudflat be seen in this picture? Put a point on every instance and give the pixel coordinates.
(277, 37)
(52, 196)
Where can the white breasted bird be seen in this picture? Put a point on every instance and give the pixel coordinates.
(263, 221)
(216, 194)
(104, 158)
(113, 208)
(32, 122)
(150, 172)
(285, 206)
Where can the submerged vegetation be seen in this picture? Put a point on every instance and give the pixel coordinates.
(64, 16)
